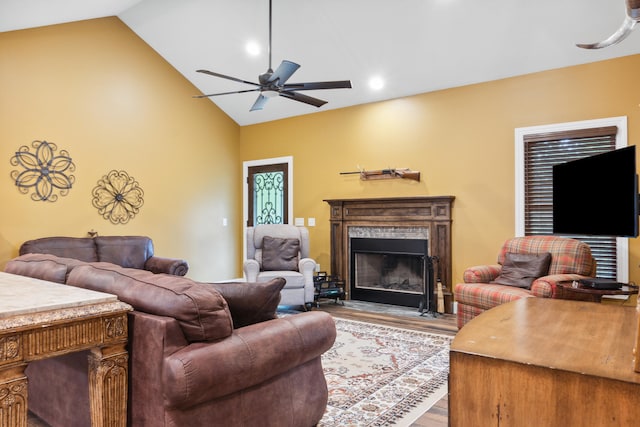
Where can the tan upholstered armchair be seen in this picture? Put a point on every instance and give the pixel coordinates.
(487, 286)
(281, 250)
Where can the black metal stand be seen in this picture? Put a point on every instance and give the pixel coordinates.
(328, 286)
(428, 303)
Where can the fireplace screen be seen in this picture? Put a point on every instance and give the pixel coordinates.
(389, 272)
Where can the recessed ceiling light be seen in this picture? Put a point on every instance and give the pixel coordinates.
(253, 48)
(376, 83)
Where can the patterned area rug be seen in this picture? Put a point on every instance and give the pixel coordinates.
(380, 375)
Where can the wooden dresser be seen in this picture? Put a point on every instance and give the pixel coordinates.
(546, 362)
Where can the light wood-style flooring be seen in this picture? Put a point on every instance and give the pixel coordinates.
(438, 415)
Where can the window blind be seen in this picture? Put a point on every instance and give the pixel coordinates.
(541, 152)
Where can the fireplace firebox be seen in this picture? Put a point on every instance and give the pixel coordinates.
(391, 271)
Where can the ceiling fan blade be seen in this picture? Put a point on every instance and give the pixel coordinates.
(226, 93)
(630, 20)
(340, 84)
(303, 98)
(622, 33)
(284, 71)
(261, 101)
(211, 73)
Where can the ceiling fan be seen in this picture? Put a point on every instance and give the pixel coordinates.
(630, 20)
(274, 83)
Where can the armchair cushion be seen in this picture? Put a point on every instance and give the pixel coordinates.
(280, 254)
(520, 270)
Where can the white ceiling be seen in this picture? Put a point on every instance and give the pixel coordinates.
(417, 46)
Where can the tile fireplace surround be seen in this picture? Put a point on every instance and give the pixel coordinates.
(398, 217)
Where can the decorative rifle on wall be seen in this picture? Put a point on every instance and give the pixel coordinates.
(404, 173)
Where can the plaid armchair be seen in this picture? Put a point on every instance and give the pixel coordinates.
(570, 260)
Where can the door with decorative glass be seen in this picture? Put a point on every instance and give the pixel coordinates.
(268, 194)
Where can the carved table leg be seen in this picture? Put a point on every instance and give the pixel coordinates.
(13, 396)
(108, 371)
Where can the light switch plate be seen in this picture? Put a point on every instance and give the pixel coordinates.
(299, 222)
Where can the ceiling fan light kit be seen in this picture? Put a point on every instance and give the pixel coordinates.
(630, 20)
(274, 83)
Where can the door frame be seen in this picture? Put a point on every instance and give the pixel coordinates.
(245, 193)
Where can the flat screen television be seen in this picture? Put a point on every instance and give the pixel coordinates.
(597, 195)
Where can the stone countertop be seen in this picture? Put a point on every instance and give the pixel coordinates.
(20, 295)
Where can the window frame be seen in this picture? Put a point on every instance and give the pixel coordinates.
(622, 243)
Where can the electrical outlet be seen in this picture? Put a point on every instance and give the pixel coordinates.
(311, 222)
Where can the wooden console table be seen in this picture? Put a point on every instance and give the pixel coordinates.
(546, 362)
(40, 319)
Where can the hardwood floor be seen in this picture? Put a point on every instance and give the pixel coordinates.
(438, 415)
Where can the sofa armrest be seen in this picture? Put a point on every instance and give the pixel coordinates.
(251, 269)
(252, 355)
(482, 273)
(547, 286)
(177, 267)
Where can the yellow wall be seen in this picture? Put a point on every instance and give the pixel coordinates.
(95, 89)
(461, 140)
(99, 92)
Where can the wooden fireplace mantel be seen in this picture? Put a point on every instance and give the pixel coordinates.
(431, 212)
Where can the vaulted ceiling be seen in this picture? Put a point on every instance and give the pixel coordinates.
(415, 46)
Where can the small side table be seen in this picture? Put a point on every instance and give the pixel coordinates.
(583, 293)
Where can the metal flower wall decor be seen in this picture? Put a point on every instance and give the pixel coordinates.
(43, 171)
(118, 197)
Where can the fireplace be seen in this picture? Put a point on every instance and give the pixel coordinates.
(391, 271)
(386, 249)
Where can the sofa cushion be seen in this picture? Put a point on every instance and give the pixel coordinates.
(125, 251)
(280, 254)
(251, 303)
(521, 270)
(201, 311)
(82, 248)
(44, 269)
(43, 266)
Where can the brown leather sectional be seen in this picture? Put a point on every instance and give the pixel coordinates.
(200, 354)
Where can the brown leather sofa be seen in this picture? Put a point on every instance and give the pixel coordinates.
(199, 354)
(125, 251)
